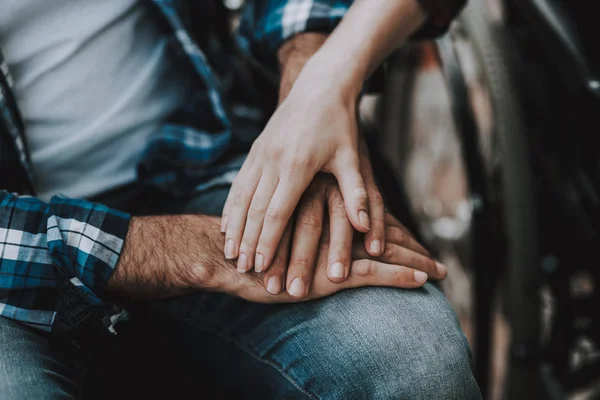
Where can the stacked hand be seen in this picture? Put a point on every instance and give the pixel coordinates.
(286, 188)
(324, 255)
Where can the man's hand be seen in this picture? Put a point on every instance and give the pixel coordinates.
(310, 241)
(388, 270)
(171, 255)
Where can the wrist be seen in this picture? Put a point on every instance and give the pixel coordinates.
(293, 56)
(325, 74)
(320, 72)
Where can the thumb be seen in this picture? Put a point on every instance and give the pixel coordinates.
(346, 171)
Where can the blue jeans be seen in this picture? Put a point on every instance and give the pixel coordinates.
(367, 343)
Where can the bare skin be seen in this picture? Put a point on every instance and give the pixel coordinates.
(314, 129)
(172, 255)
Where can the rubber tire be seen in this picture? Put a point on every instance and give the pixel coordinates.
(492, 46)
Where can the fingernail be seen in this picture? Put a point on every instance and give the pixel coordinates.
(274, 285)
(242, 265)
(375, 247)
(420, 276)
(297, 288)
(336, 270)
(224, 224)
(259, 262)
(229, 249)
(363, 217)
(441, 268)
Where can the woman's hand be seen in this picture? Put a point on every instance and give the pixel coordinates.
(314, 129)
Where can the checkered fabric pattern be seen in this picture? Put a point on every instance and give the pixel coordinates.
(41, 242)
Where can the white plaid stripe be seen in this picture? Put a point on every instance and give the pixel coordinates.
(295, 17)
(13, 239)
(86, 238)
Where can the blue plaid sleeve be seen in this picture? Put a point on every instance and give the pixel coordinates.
(79, 240)
(266, 24)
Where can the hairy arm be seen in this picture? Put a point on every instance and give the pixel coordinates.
(168, 255)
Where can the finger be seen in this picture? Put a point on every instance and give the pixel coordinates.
(375, 238)
(346, 171)
(226, 211)
(242, 193)
(390, 220)
(246, 166)
(305, 244)
(375, 273)
(403, 238)
(254, 222)
(282, 205)
(340, 234)
(398, 255)
(274, 278)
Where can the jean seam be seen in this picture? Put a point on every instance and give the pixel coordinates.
(252, 354)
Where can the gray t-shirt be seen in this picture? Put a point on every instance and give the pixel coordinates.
(93, 79)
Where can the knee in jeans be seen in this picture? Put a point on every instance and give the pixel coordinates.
(407, 345)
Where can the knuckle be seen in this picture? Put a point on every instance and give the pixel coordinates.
(302, 264)
(274, 214)
(359, 193)
(375, 196)
(401, 238)
(389, 252)
(429, 265)
(297, 161)
(309, 222)
(364, 268)
(272, 152)
(256, 209)
(336, 205)
(399, 275)
(342, 254)
(240, 198)
(248, 244)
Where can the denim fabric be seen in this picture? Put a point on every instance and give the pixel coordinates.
(368, 343)
(30, 368)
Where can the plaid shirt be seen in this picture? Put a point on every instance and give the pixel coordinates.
(56, 256)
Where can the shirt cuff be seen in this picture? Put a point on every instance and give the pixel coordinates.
(265, 30)
(86, 239)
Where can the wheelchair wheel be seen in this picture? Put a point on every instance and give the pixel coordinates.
(482, 157)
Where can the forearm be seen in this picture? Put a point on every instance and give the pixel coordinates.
(166, 256)
(293, 55)
(369, 32)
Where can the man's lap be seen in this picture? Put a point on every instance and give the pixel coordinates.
(362, 343)
(30, 368)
